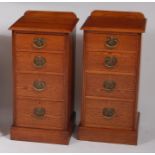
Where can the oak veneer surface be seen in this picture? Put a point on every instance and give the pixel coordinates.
(127, 42)
(54, 89)
(122, 119)
(58, 42)
(43, 53)
(52, 120)
(115, 21)
(125, 85)
(95, 63)
(54, 62)
(63, 22)
(112, 47)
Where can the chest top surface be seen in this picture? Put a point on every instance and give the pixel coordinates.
(45, 21)
(114, 21)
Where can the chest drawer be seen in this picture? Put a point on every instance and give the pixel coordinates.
(108, 114)
(110, 85)
(36, 61)
(39, 114)
(35, 42)
(113, 62)
(111, 41)
(40, 86)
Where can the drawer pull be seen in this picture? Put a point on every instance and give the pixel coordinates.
(39, 42)
(111, 42)
(110, 61)
(108, 112)
(39, 112)
(39, 85)
(109, 85)
(39, 61)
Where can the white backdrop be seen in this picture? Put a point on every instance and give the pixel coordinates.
(10, 12)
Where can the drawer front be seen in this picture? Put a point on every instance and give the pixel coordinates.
(39, 114)
(110, 41)
(108, 85)
(113, 62)
(32, 42)
(108, 114)
(40, 86)
(46, 62)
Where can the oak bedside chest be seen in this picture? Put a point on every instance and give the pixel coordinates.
(43, 49)
(112, 44)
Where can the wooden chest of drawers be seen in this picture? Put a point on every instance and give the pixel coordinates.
(112, 42)
(43, 52)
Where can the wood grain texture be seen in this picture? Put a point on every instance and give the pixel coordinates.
(53, 118)
(135, 15)
(126, 62)
(54, 89)
(122, 118)
(115, 21)
(126, 28)
(43, 135)
(125, 85)
(109, 135)
(55, 126)
(55, 43)
(54, 62)
(126, 42)
(46, 21)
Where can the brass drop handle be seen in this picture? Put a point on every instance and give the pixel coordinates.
(110, 61)
(39, 61)
(39, 85)
(108, 113)
(111, 42)
(39, 43)
(109, 85)
(39, 112)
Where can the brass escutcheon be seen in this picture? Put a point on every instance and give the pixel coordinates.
(39, 112)
(110, 61)
(39, 42)
(39, 61)
(108, 112)
(39, 85)
(111, 42)
(109, 85)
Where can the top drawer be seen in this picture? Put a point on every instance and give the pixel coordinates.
(111, 41)
(31, 42)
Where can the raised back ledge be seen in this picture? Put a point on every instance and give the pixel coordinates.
(46, 21)
(135, 15)
(51, 14)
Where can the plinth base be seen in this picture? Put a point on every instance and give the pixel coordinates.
(109, 135)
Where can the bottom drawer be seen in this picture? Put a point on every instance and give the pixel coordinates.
(39, 114)
(108, 114)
